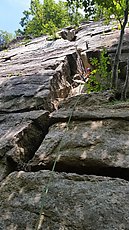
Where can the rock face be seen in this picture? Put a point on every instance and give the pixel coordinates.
(64, 158)
(73, 202)
(93, 37)
(33, 78)
(94, 140)
(21, 135)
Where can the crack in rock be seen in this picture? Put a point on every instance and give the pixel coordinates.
(21, 135)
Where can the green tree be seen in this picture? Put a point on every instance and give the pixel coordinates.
(44, 18)
(75, 15)
(120, 9)
(33, 19)
(86, 5)
(5, 38)
(106, 8)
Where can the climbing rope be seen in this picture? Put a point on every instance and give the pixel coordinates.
(43, 195)
(45, 191)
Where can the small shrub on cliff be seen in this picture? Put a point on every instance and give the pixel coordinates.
(100, 77)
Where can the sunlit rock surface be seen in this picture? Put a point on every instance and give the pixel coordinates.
(86, 135)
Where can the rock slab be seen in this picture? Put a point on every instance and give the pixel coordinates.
(73, 202)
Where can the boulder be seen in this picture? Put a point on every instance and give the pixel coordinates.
(35, 56)
(68, 34)
(33, 92)
(97, 36)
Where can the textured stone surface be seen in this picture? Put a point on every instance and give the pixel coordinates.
(98, 36)
(95, 140)
(20, 136)
(34, 57)
(33, 77)
(87, 135)
(91, 106)
(73, 202)
(32, 92)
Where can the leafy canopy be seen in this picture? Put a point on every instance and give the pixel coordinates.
(112, 7)
(106, 8)
(86, 5)
(44, 18)
(5, 38)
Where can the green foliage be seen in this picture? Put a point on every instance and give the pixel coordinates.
(45, 18)
(86, 5)
(106, 8)
(54, 36)
(120, 10)
(101, 8)
(5, 39)
(73, 7)
(93, 85)
(100, 77)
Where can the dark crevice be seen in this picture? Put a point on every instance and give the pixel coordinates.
(55, 120)
(43, 127)
(72, 60)
(29, 139)
(11, 165)
(112, 172)
(100, 32)
(8, 58)
(105, 171)
(112, 50)
(19, 110)
(35, 108)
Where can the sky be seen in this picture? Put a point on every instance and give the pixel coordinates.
(11, 11)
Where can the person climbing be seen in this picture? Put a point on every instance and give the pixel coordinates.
(83, 76)
(87, 74)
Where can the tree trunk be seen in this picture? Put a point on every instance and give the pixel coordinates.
(124, 91)
(118, 51)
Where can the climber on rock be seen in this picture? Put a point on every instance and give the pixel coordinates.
(86, 76)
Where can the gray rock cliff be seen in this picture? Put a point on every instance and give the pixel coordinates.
(44, 121)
